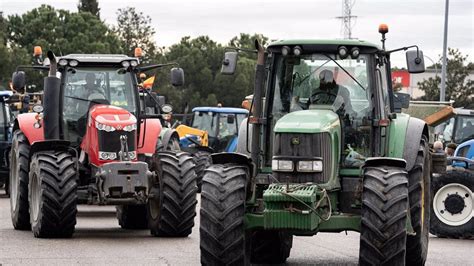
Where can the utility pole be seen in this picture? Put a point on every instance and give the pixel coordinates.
(347, 18)
(442, 93)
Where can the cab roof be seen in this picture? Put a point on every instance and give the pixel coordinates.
(321, 45)
(226, 110)
(98, 58)
(462, 111)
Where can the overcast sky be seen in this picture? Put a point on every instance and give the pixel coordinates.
(410, 22)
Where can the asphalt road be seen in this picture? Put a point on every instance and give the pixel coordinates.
(99, 240)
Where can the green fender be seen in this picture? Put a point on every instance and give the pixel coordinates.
(405, 133)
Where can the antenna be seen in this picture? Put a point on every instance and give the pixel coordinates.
(347, 19)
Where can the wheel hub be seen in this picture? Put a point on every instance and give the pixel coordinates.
(454, 204)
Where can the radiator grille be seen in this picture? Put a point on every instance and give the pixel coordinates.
(309, 145)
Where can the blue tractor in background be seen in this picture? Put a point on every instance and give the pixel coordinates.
(222, 125)
(452, 213)
(212, 130)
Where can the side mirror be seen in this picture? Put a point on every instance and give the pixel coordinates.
(18, 80)
(230, 63)
(230, 119)
(400, 100)
(177, 76)
(161, 100)
(415, 61)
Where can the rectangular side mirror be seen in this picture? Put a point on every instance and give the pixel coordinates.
(415, 61)
(230, 119)
(400, 100)
(230, 63)
(177, 76)
(161, 100)
(18, 80)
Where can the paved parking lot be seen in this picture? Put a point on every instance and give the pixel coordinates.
(100, 240)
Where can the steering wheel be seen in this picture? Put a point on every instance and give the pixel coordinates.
(332, 95)
(96, 91)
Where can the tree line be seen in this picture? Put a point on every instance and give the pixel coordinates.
(83, 31)
(65, 32)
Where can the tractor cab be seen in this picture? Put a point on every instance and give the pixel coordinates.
(222, 125)
(459, 128)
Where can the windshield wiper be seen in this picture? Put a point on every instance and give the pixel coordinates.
(85, 100)
(354, 79)
(312, 72)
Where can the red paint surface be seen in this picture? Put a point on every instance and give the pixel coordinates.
(402, 77)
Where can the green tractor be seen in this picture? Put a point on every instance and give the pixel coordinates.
(329, 151)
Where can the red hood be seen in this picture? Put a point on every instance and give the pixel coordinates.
(112, 115)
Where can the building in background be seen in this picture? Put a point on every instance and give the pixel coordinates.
(409, 82)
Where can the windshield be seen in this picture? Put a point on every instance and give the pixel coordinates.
(316, 79)
(206, 121)
(464, 129)
(320, 81)
(84, 87)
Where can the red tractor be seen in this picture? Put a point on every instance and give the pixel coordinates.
(92, 142)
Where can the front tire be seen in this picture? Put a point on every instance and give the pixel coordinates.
(223, 240)
(419, 197)
(270, 247)
(19, 179)
(452, 203)
(383, 216)
(53, 194)
(172, 207)
(202, 159)
(132, 216)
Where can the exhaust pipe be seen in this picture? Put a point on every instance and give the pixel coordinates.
(51, 102)
(257, 103)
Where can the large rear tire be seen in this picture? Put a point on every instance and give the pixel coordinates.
(172, 207)
(53, 194)
(132, 216)
(419, 198)
(223, 240)
(384, 216)
(452, 203)
(270, 247)
(202, 159)
(19, 179)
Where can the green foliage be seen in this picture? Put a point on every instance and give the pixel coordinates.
(91, 6)
(61, 31)
(135, 30)
(201, 59)
(67, 32)
(459, 87)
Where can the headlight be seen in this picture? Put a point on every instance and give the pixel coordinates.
(134, 63)
(310, 166)
(107, 155)
(103, 127)
(125, 64)
(73, 63)
(130, 127)
(282, 165)
(62, 62)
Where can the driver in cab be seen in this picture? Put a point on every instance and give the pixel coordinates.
(91, 90)
(329, 92)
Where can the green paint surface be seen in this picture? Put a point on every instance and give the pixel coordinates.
(397, 135)
(308, 121)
